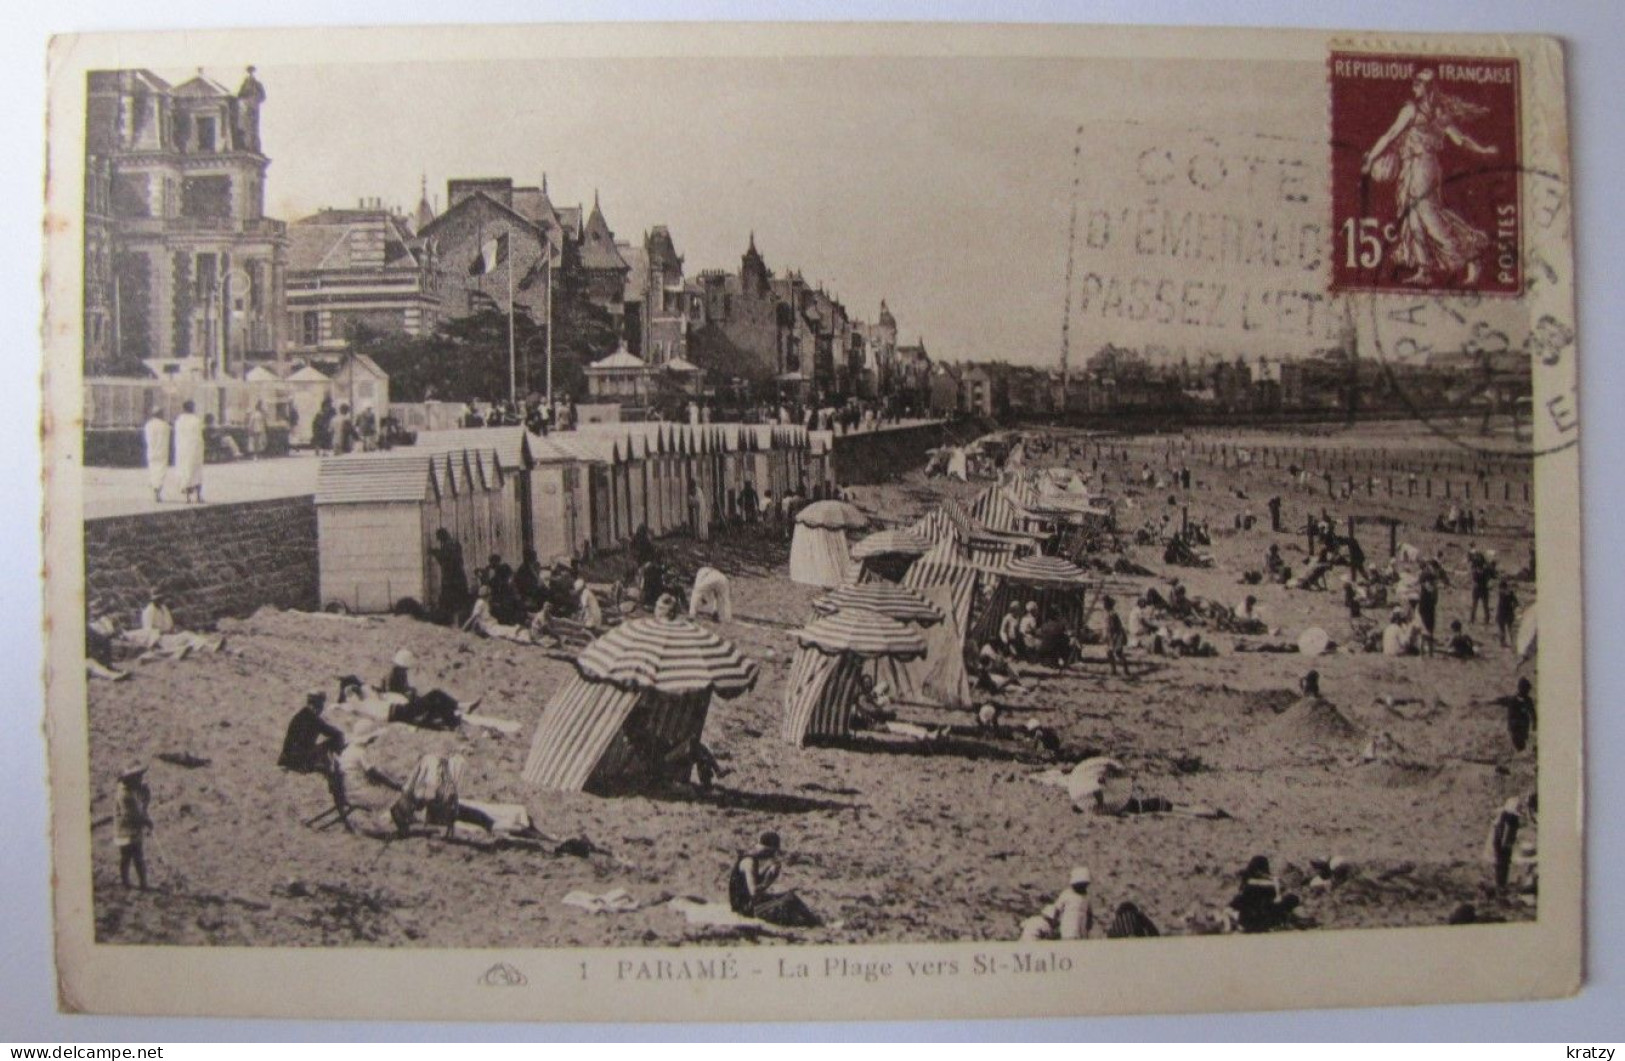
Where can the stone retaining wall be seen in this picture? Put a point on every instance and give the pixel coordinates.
(214, 561)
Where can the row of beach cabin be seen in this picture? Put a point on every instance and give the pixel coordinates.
(502, 490)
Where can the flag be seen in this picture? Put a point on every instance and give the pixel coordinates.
(491, 255)
(534, 273)
(480, 302)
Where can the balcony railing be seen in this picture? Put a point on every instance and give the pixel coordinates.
(256, 226)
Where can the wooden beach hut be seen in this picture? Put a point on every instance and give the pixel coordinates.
(376, 515)
(508, 449)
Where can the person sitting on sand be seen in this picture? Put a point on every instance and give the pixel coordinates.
(160, 637)
(989, 671)
(872, 708)
(1399, 636)
(482, 621)
(1043, 738)
(100, 633)
(1053, 644)
(1258, 904)
(587, 606)
(1027, 631)
(359, 784)
(1069, 917)
(750, 885)
(1315, 577)
(1459, 645)
(310, 739)
(696, 757)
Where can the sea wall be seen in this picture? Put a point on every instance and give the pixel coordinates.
(863, 458)
(214, 561)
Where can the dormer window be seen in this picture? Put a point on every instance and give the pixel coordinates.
(205, 134)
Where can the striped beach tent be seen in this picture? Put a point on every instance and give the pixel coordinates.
(1059, 587)
(893, 601)
(887, 554)
(825, 675)
(636, 706)
(893, 542)
(940, 677)
(946, 522)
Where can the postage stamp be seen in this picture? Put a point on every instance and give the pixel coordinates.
(1425, 165)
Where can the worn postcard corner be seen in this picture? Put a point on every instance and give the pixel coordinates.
(601, 523)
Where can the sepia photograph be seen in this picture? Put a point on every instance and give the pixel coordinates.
(627, 513)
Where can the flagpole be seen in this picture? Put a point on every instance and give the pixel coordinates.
(513, 390)
(549, 252)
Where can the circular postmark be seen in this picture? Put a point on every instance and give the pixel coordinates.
(1491, 374)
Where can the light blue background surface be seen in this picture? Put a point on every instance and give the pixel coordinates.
(1596, 91)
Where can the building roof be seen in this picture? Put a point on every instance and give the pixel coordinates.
(510, 445)
(598, 249)
(202, 86)
(662, 252)
(622, 358)
(323, 241)
(308, 374)
(482, 197)
(395, 477)
(637, 259)
(680, 364)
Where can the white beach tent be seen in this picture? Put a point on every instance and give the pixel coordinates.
(819, 555)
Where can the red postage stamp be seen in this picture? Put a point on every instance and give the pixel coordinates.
(1425, 174)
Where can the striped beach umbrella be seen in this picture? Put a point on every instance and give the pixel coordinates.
(1044, 569)
(866, 634)
(889, 599)
(672, 656)
(894, 542)
(832, 515)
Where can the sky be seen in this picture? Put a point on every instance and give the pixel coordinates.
(941, 185)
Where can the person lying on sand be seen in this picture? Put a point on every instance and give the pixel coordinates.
(435, 709)
(1102, 785)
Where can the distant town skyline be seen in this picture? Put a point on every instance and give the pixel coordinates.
(942, 186)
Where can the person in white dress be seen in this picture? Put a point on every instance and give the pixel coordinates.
(156, 435)
(189, 453)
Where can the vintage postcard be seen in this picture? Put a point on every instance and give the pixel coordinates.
(854, 521)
